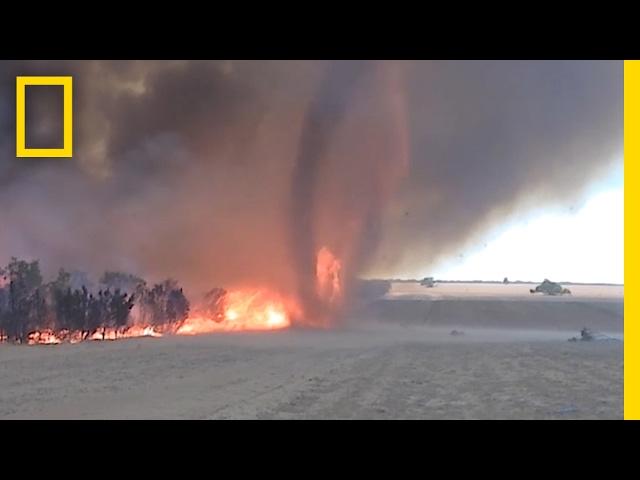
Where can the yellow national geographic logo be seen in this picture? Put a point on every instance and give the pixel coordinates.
(21, 148)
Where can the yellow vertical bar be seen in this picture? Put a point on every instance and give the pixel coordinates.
(631, 240)
(68, 117)
(20, 121)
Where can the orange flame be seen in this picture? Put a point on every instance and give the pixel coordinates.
(49, 337)
(328, 276)
(243, 309)
(235, 310)
(44, 337)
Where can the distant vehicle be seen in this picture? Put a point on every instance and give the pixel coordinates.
(547, 287)
(428, 282)
(586, 335)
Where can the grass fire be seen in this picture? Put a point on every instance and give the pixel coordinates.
(124, 306)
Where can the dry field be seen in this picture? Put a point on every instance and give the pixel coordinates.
(394, 359)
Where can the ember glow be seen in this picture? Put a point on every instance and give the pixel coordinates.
(130, 332)
(49, 337)
(44, 337)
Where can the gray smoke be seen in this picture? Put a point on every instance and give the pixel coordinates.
(223, 173)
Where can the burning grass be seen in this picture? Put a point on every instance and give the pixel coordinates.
(235, 310)
(50, 314)
(242, 309)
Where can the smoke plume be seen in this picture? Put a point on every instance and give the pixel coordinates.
(236, 173)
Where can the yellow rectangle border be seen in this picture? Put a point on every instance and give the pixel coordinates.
(21, 148)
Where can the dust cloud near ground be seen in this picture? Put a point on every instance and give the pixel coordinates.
(396, 358)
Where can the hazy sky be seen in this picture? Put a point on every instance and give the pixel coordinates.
(581, 242)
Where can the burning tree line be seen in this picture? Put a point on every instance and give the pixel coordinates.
(69, 308)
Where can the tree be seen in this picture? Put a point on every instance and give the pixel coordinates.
(95, 316)
(37, 317)
(4, 303)
(3, 314)
(125, 282)
(62, 281)
(162, 304)
(177, 306)
(25, 273)
(120, 304)
(24, 304)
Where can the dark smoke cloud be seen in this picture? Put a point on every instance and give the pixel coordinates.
(222, 173)
(196, 192)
